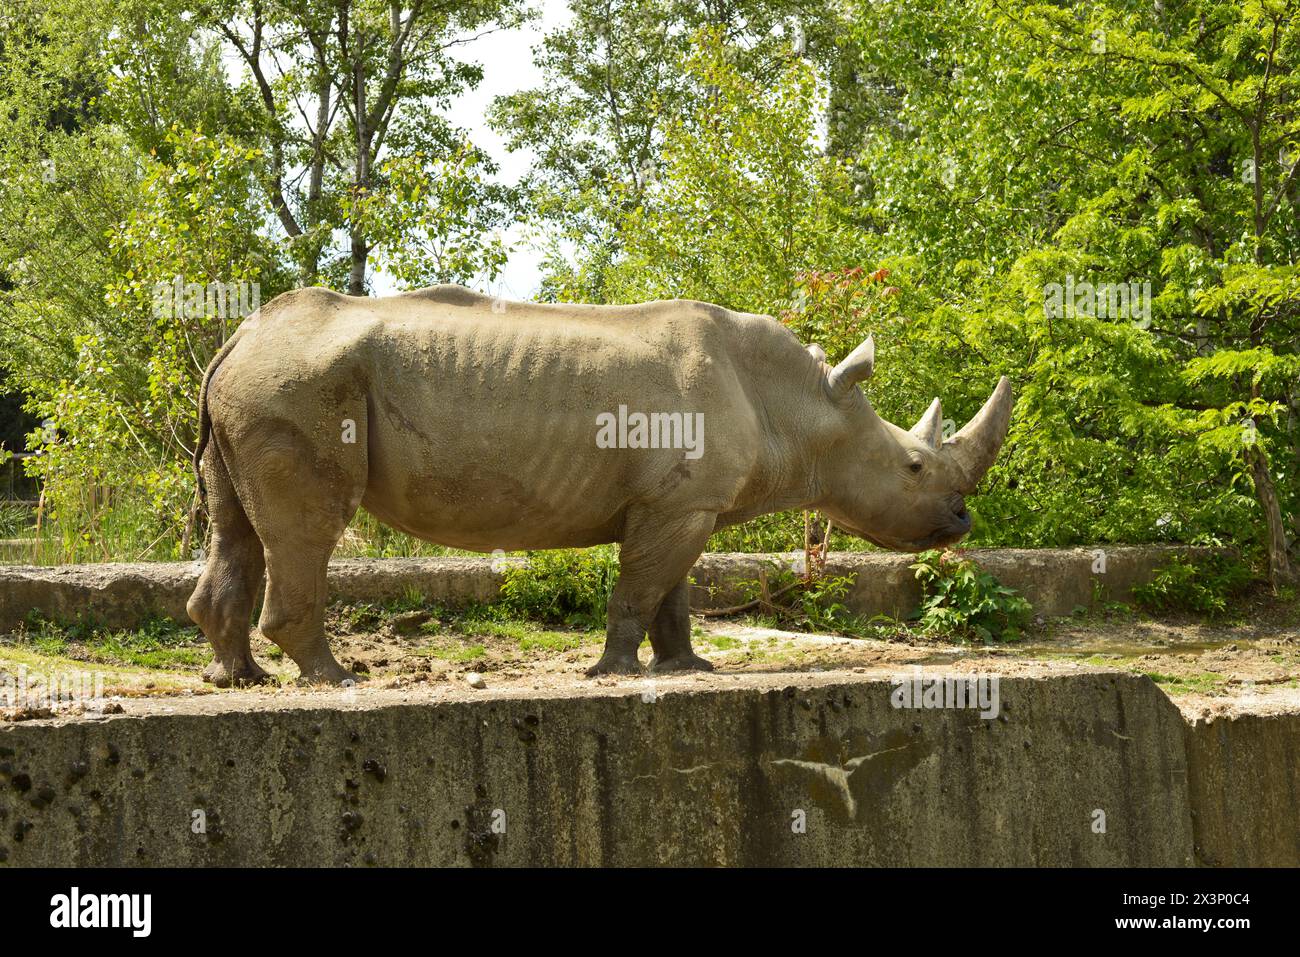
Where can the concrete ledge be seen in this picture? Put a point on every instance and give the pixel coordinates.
(1055, 581)
(1244, 779)
(613, 777)
(122, 595)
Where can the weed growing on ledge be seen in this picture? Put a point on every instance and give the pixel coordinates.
(1204, 584)
(961, 599)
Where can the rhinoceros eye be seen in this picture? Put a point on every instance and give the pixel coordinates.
(916, 467)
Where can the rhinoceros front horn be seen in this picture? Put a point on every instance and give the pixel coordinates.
(975, 447)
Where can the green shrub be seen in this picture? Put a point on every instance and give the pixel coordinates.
(568, 585)
(1204, 584)
(963, 600)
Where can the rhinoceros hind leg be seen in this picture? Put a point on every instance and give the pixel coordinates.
(222, 603)
(670, 634)
(658, 550)
(300, 484)
(293, 615)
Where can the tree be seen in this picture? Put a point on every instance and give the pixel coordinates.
(334, 87)
(615, 79)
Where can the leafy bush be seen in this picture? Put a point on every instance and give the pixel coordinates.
(568, 585)
(964, 600)
(1203, 584)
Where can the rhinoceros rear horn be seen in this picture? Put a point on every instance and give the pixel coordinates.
(856, 367)
(975, 447)
(930, 427)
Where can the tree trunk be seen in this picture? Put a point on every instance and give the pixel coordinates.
(360, 251)
(1280, 571)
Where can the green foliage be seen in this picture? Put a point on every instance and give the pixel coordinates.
(434, 221)
(738, 184)
(787, 600)
(1203, 584)
(568, 586)
(157, 643)
(963, 600)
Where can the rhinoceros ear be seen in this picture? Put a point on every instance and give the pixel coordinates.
(930, 428)
(856, 367)
(974, 448)
(817, 352)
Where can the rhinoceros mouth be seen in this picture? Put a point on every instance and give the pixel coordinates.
(945, 535)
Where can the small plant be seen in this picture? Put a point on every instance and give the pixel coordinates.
(570, 586)
(965, 601)
(788, 600)
(15, 519)
(1204, 584)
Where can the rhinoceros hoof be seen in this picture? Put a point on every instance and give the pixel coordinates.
(691, 662)
(616, 665)
(331, 673)
(242, 675)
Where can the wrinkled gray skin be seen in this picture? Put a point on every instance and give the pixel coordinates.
(475, 426)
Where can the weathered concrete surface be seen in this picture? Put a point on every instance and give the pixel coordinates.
(612, 776)
(1055, 581)
(1244, 779)
(122, 595)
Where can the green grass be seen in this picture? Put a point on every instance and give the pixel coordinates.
(1202, 683)
(156, 644)
(460, 655)
(723, 642)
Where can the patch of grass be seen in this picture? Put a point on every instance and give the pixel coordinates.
(557, 641)
(157, 644)
(1202, 683)
(723, 642)
(493, 621)
(15, 519)
(456, 653)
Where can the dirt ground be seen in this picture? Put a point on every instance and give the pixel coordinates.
(1207, 667)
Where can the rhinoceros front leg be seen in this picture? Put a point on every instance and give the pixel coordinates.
(670, 634)
(658, 550)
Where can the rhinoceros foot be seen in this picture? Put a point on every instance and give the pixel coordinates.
(686, 662)
(240, 674)
(326, 673)
(616, 665)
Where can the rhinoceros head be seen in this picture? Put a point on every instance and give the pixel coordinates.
(903, 490)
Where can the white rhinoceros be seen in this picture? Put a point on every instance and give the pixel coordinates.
(487, 425)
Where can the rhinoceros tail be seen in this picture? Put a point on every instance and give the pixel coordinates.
(205, 420)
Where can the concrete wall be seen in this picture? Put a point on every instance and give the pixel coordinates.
(1244, 780)
(615, 777)
(122, 595)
